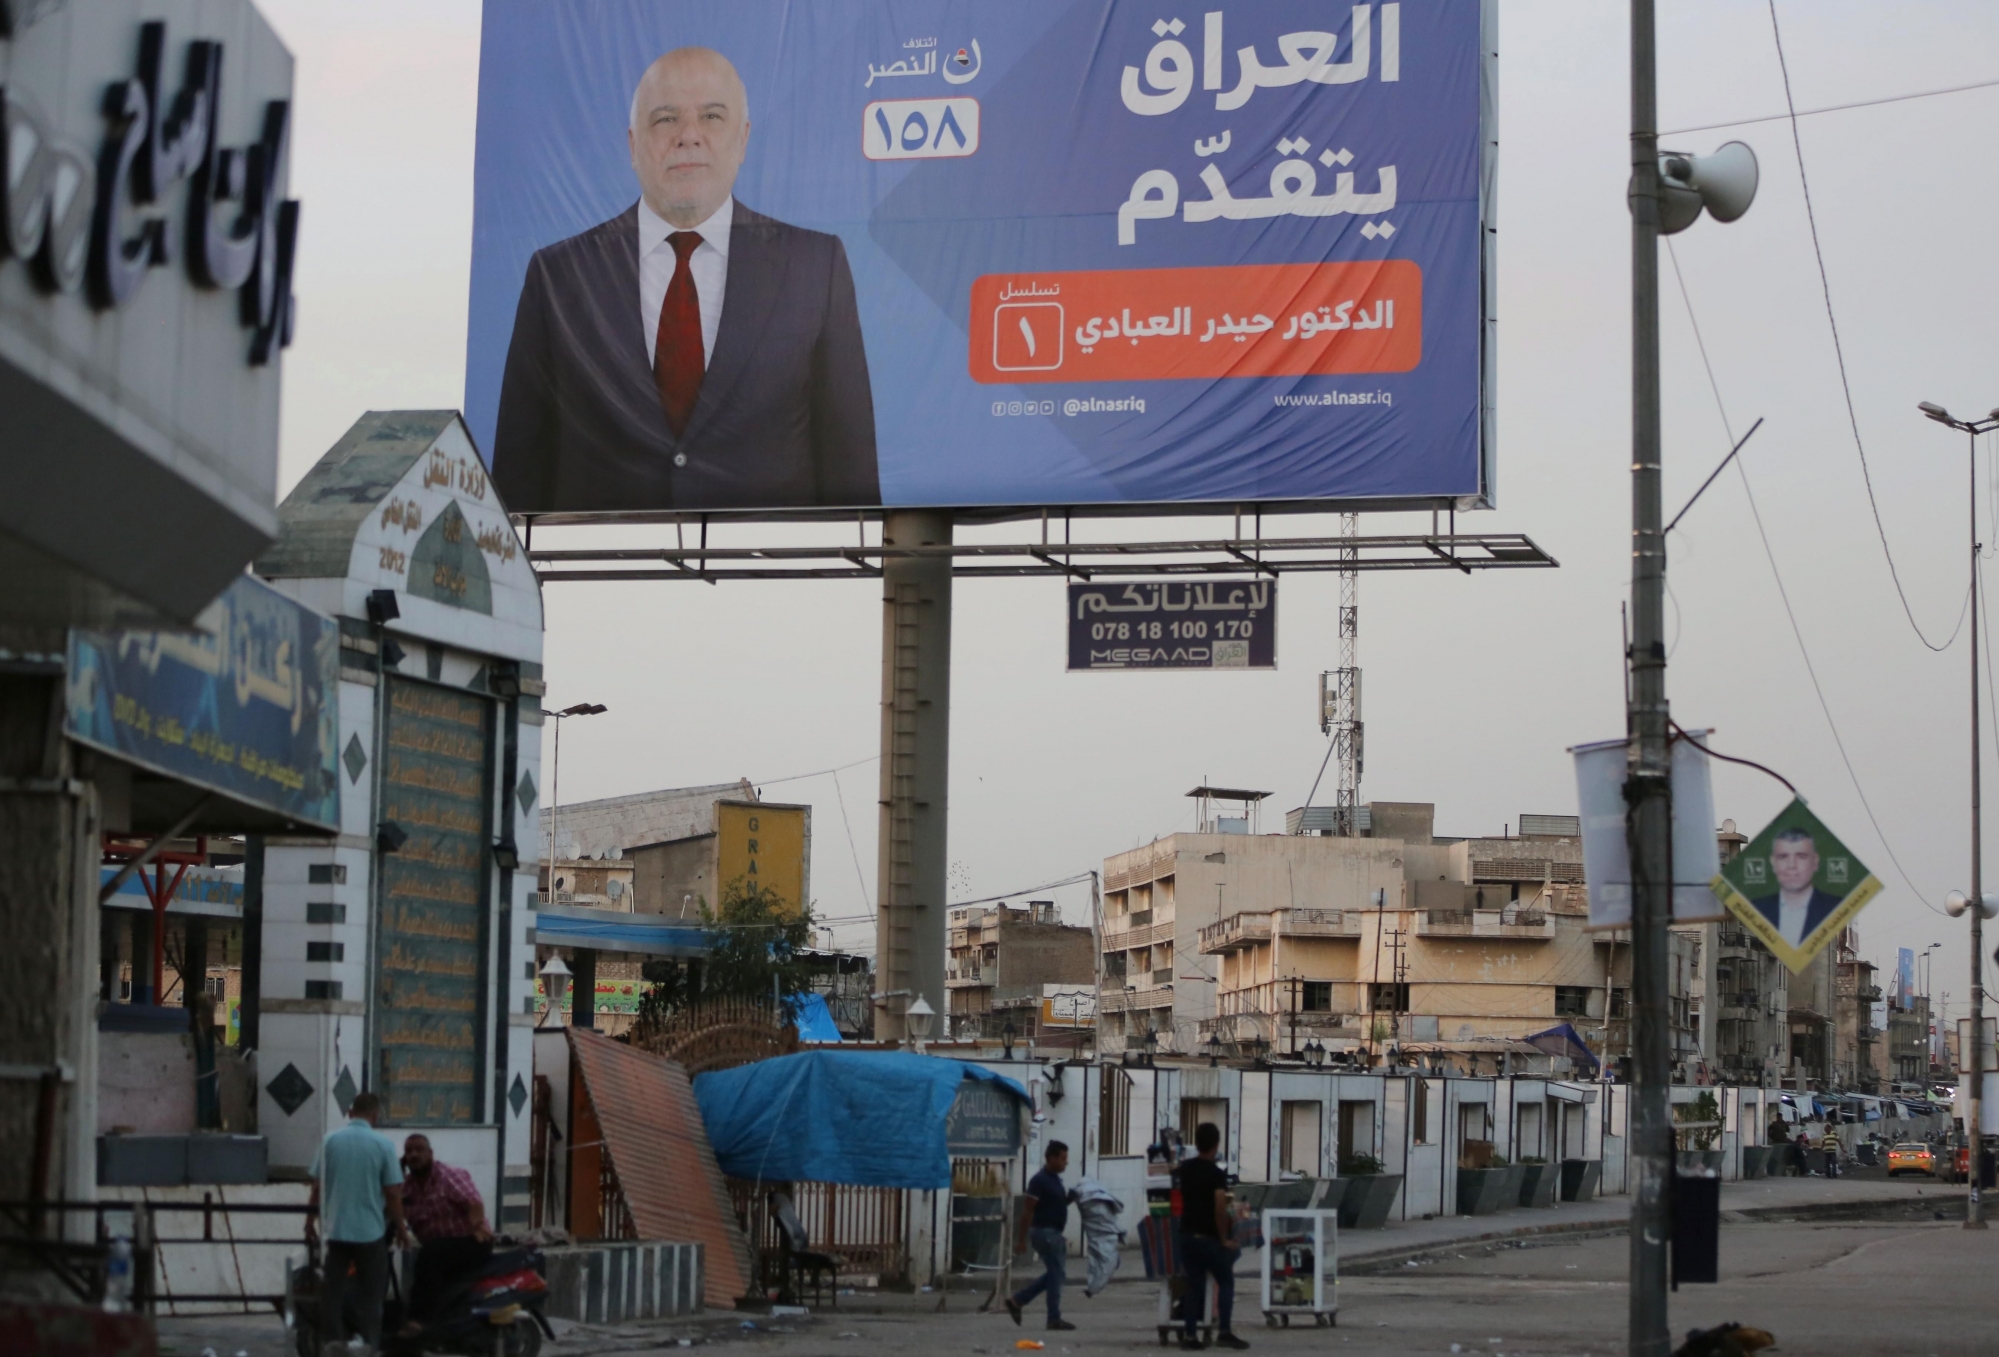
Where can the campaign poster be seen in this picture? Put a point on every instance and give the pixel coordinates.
(780, 255)
(1795, 885)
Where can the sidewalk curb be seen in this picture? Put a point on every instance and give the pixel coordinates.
(1383, 1260)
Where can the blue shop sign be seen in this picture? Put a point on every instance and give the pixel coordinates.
(245, 705)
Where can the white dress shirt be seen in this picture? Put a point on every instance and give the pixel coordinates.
(1792, 909)
(709, 264)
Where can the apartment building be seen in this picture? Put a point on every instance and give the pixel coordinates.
(1235, 943)
(1002, 961)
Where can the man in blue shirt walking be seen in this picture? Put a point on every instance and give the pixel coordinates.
(1044, 1212)
(357, 1184)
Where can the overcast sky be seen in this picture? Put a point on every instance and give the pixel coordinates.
(1475, 686)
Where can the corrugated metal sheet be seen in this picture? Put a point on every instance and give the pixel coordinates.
(659, 1148)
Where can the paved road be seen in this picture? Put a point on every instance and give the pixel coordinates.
(1903, 1285)
(1851, 1289)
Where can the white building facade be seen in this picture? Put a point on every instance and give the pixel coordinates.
(399, 957)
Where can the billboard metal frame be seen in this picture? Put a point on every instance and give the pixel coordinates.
(1235, 555)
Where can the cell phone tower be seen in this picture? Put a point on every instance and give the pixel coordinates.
(1339, 691)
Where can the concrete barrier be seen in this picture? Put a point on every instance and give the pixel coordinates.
(616, 1281)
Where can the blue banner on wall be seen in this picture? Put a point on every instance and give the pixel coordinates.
(1065, 252)
(247, 704)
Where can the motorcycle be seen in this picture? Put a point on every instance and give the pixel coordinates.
(494, 1312)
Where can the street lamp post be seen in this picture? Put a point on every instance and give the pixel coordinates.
(555, 779)
(1974, 1209)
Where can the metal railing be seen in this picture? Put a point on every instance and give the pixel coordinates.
(82, 1267)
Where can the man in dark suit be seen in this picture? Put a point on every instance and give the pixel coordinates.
(1798, 907)
(689, 353)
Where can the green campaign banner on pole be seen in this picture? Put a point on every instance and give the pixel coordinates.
(1795, 885)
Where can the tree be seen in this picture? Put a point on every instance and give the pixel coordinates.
(754, 941)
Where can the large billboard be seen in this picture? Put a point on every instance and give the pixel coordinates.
(810, 254)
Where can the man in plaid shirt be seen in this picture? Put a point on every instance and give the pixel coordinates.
(448, 1218)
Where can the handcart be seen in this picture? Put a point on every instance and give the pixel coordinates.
(1301, 1265)
(1159, 1244)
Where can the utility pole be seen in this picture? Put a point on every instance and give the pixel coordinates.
(1971, 1087)
(1648, 788)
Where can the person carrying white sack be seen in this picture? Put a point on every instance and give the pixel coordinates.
(1103, 1241)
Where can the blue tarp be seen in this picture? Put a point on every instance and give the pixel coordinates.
(814, 1019)
(870, 1118)
(1563, 1039)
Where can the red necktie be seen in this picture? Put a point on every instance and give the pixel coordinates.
(677, 357)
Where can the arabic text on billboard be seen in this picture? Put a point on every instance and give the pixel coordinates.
(805, 253)
(1210, 624)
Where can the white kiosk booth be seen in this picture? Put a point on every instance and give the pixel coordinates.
(398, 957)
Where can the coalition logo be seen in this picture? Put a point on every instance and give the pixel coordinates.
(101, 227)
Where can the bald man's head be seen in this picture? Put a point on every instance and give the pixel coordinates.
(690, 127)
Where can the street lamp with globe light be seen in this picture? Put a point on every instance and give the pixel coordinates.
(555, 778)
(1959, 903)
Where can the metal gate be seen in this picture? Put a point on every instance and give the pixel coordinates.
(866, 1228)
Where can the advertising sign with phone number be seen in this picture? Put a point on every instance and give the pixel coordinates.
(1174, 624)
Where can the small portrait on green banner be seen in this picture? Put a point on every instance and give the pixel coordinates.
(1795, 886)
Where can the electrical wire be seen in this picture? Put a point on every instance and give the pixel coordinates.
(1797, 632)
(800, 777)
(1332, 743)
(1838, 349)
(1027, 890)
(859, 876)
(1834, 108)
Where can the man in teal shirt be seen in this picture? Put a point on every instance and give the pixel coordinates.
(357, 1182)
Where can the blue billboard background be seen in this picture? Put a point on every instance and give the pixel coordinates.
(246, 705)
(1060, 150)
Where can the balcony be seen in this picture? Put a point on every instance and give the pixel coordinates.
(965, 977)
(1138, 936)
(1234, 933)
(1493, 925)
(1132, 1000)
(1241, 930)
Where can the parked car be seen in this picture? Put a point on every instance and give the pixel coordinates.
(1912, 1156)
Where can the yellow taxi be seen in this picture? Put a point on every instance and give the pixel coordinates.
(1912, 1157)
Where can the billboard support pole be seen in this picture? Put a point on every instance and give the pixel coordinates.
(1648, 787)
(915, 770)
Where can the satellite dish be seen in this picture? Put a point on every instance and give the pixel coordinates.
(1723, 182)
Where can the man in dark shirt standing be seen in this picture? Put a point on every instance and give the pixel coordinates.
(1207, 1241)
(1044, 1213)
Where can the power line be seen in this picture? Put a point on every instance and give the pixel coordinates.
(1784, 594)
(1027, 890)
(800, 777)
(1838, 349)
(1833, 108)
(859, 875)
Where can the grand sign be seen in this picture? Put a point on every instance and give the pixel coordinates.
(105, 226)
